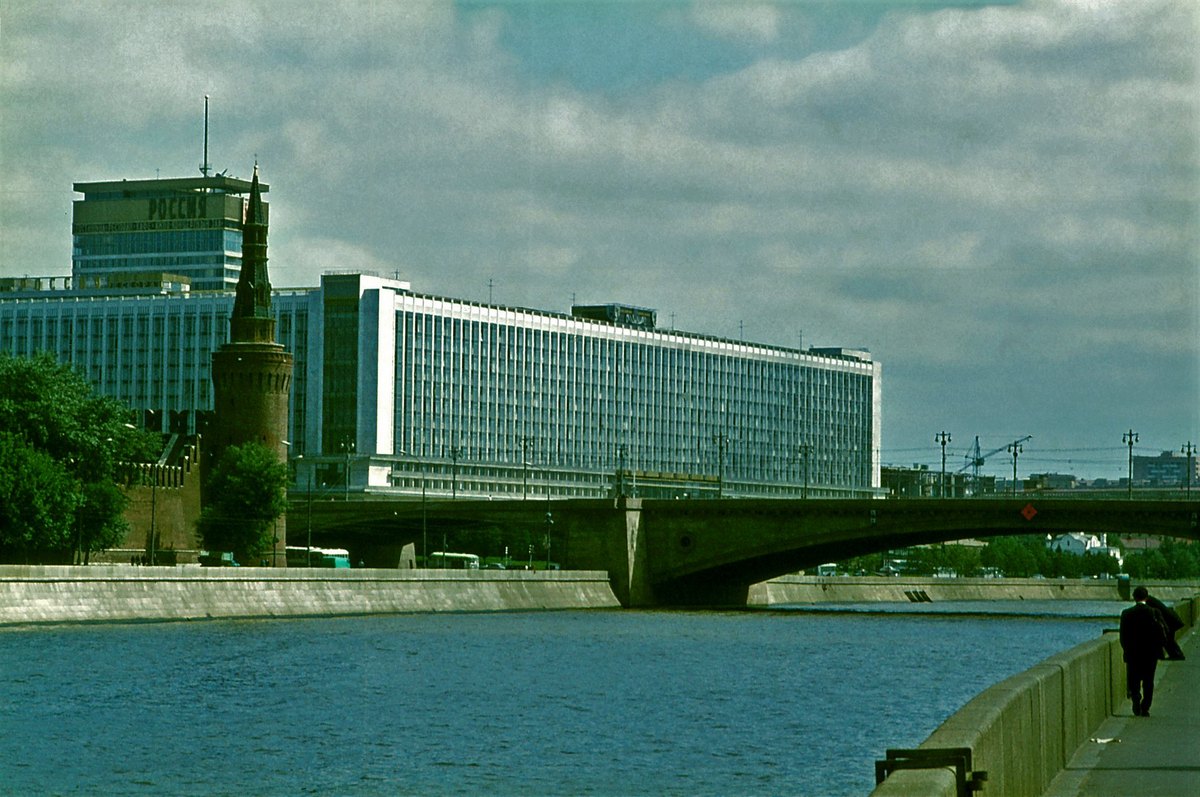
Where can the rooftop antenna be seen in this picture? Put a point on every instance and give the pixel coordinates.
(205, 167)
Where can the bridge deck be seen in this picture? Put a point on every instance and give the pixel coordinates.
(1157, 755)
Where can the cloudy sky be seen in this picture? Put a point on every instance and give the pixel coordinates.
(1000, 201)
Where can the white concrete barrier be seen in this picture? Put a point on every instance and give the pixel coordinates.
(114, 593)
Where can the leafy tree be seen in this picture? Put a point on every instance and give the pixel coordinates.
(1173, 559)
(72, 440)
(246, 495)
(38, 502)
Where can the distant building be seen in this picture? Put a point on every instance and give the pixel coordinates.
(189, 226)
(1168, 469)
(1079, 544)
(1051, 481)
(919, 481)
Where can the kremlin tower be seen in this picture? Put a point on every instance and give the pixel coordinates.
(252, 374)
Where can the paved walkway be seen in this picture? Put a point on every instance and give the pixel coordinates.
(1155, 756)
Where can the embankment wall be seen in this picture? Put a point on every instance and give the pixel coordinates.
(1024, 730)
(113, 593)
(869, 589)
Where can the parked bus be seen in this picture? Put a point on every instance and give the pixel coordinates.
(453, 561)
(299, 556)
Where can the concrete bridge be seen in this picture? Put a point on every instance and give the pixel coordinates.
(709, 552)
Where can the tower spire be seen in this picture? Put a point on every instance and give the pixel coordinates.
(252, 320)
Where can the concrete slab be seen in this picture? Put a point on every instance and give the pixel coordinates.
(1155, 756)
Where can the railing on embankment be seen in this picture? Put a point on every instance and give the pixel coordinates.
(115, 593)
(1022, 731)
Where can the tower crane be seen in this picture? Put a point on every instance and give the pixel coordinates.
(975, 459)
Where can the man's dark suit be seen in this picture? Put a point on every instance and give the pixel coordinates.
(1142, 643)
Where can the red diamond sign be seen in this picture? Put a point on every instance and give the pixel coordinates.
(1028, 512)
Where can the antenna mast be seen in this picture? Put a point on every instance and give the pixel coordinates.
(204, 166)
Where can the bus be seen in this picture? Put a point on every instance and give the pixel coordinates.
(299, 556)
(453, 561)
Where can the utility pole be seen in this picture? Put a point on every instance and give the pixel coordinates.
(804, 449)
(526, 444)
(1129, 438)
(1188, 451)
(155, 425)
(721, 441)
(347, 446)
(622, 450)
(1015, 449)
(943, 438)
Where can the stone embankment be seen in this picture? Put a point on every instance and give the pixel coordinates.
(1023, 731)
(115, 593)
(871, 589)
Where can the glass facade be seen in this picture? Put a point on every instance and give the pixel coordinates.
(153, 352)
(419, 394)
(497, 401)
(188, 226)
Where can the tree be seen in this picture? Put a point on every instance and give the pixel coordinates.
(246, 495)
(38, 501)
(72, 439)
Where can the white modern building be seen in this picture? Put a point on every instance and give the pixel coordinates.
(400, 391)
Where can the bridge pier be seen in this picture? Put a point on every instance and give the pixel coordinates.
(619, 542)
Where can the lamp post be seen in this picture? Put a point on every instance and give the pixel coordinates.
(1189, 451)
(347, 446)
(721, 440)
(622, 450)
(156, 426)
(805, 450)
(943, 438)
(1015, 449)
(308, 546)
(455, 452)
(153, 509)
(1129, 438)
(526, 444)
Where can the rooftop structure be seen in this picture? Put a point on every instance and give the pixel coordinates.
(190, 226)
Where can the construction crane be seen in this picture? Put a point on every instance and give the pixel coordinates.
(975, 459)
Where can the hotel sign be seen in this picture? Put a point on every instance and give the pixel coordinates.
(193, 206)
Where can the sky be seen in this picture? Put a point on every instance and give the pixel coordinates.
(1000, 201)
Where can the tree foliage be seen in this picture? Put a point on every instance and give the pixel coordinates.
(60, 443)
(246, 494)
(1173, 559)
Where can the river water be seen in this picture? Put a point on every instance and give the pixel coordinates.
(786, 701)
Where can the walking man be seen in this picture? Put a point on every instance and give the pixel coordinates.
(1142, 642)
(1173, 623)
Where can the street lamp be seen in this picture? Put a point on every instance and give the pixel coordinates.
(622, 450)
(455, 451)
(308, 551)
(721, 440)
(1189, 451)
(943, 438)
(1015, 449)
(347, 446)
(154, 468)
(804, 449)
(1129, 438)
(526, 444)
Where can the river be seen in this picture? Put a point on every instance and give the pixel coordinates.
(793, 700)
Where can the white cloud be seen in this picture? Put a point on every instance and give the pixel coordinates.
(739, 21)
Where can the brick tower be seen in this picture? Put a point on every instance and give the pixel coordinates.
(252, 374)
